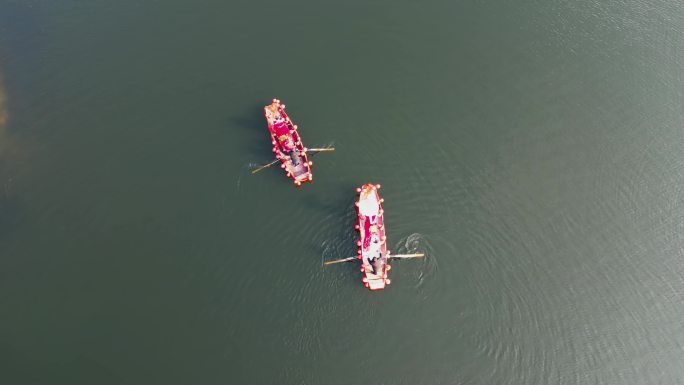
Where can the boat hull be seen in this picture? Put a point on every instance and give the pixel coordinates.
(372, 242)
(287, 144)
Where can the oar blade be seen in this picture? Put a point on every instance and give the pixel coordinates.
(339, 261)
(264, 166)
(320, 149)
(408, 256)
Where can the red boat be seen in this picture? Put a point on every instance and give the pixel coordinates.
(287, 145)
(373, 242)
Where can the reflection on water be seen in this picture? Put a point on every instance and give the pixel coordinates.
(8, 143)
(531, 150)
(3, 103)
(3, 115)
(7, 210)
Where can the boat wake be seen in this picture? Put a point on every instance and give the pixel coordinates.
(426, 268)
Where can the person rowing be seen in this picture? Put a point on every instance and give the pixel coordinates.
(374, 249)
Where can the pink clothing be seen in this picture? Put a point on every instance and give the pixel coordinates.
(366, 231)
(281, 128)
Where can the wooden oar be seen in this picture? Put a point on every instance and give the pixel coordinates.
(265, 166)
(407, 256)
(307, 150)
(340, 260)
(320, 149)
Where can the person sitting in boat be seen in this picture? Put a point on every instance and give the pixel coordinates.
(373, 242)
(286, 143)
(375, 255)
(374, 249)
(280, 128)
(374, 261)
(294, 157)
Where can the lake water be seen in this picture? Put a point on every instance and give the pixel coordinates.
(532, 149)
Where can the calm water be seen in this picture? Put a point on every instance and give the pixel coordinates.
(533, 149)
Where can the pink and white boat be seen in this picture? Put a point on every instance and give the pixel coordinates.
(372, 243)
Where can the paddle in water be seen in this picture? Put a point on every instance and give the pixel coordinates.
(305, 150)
(265, 166)
(398, 256)
(340, 260)
(319, 149)
(407, 256)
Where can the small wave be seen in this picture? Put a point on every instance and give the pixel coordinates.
(251, 165)
(418, 243)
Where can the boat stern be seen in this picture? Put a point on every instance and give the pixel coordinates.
(374, 282)
(305, 177)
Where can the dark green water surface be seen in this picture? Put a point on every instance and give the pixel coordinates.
(534, 150)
